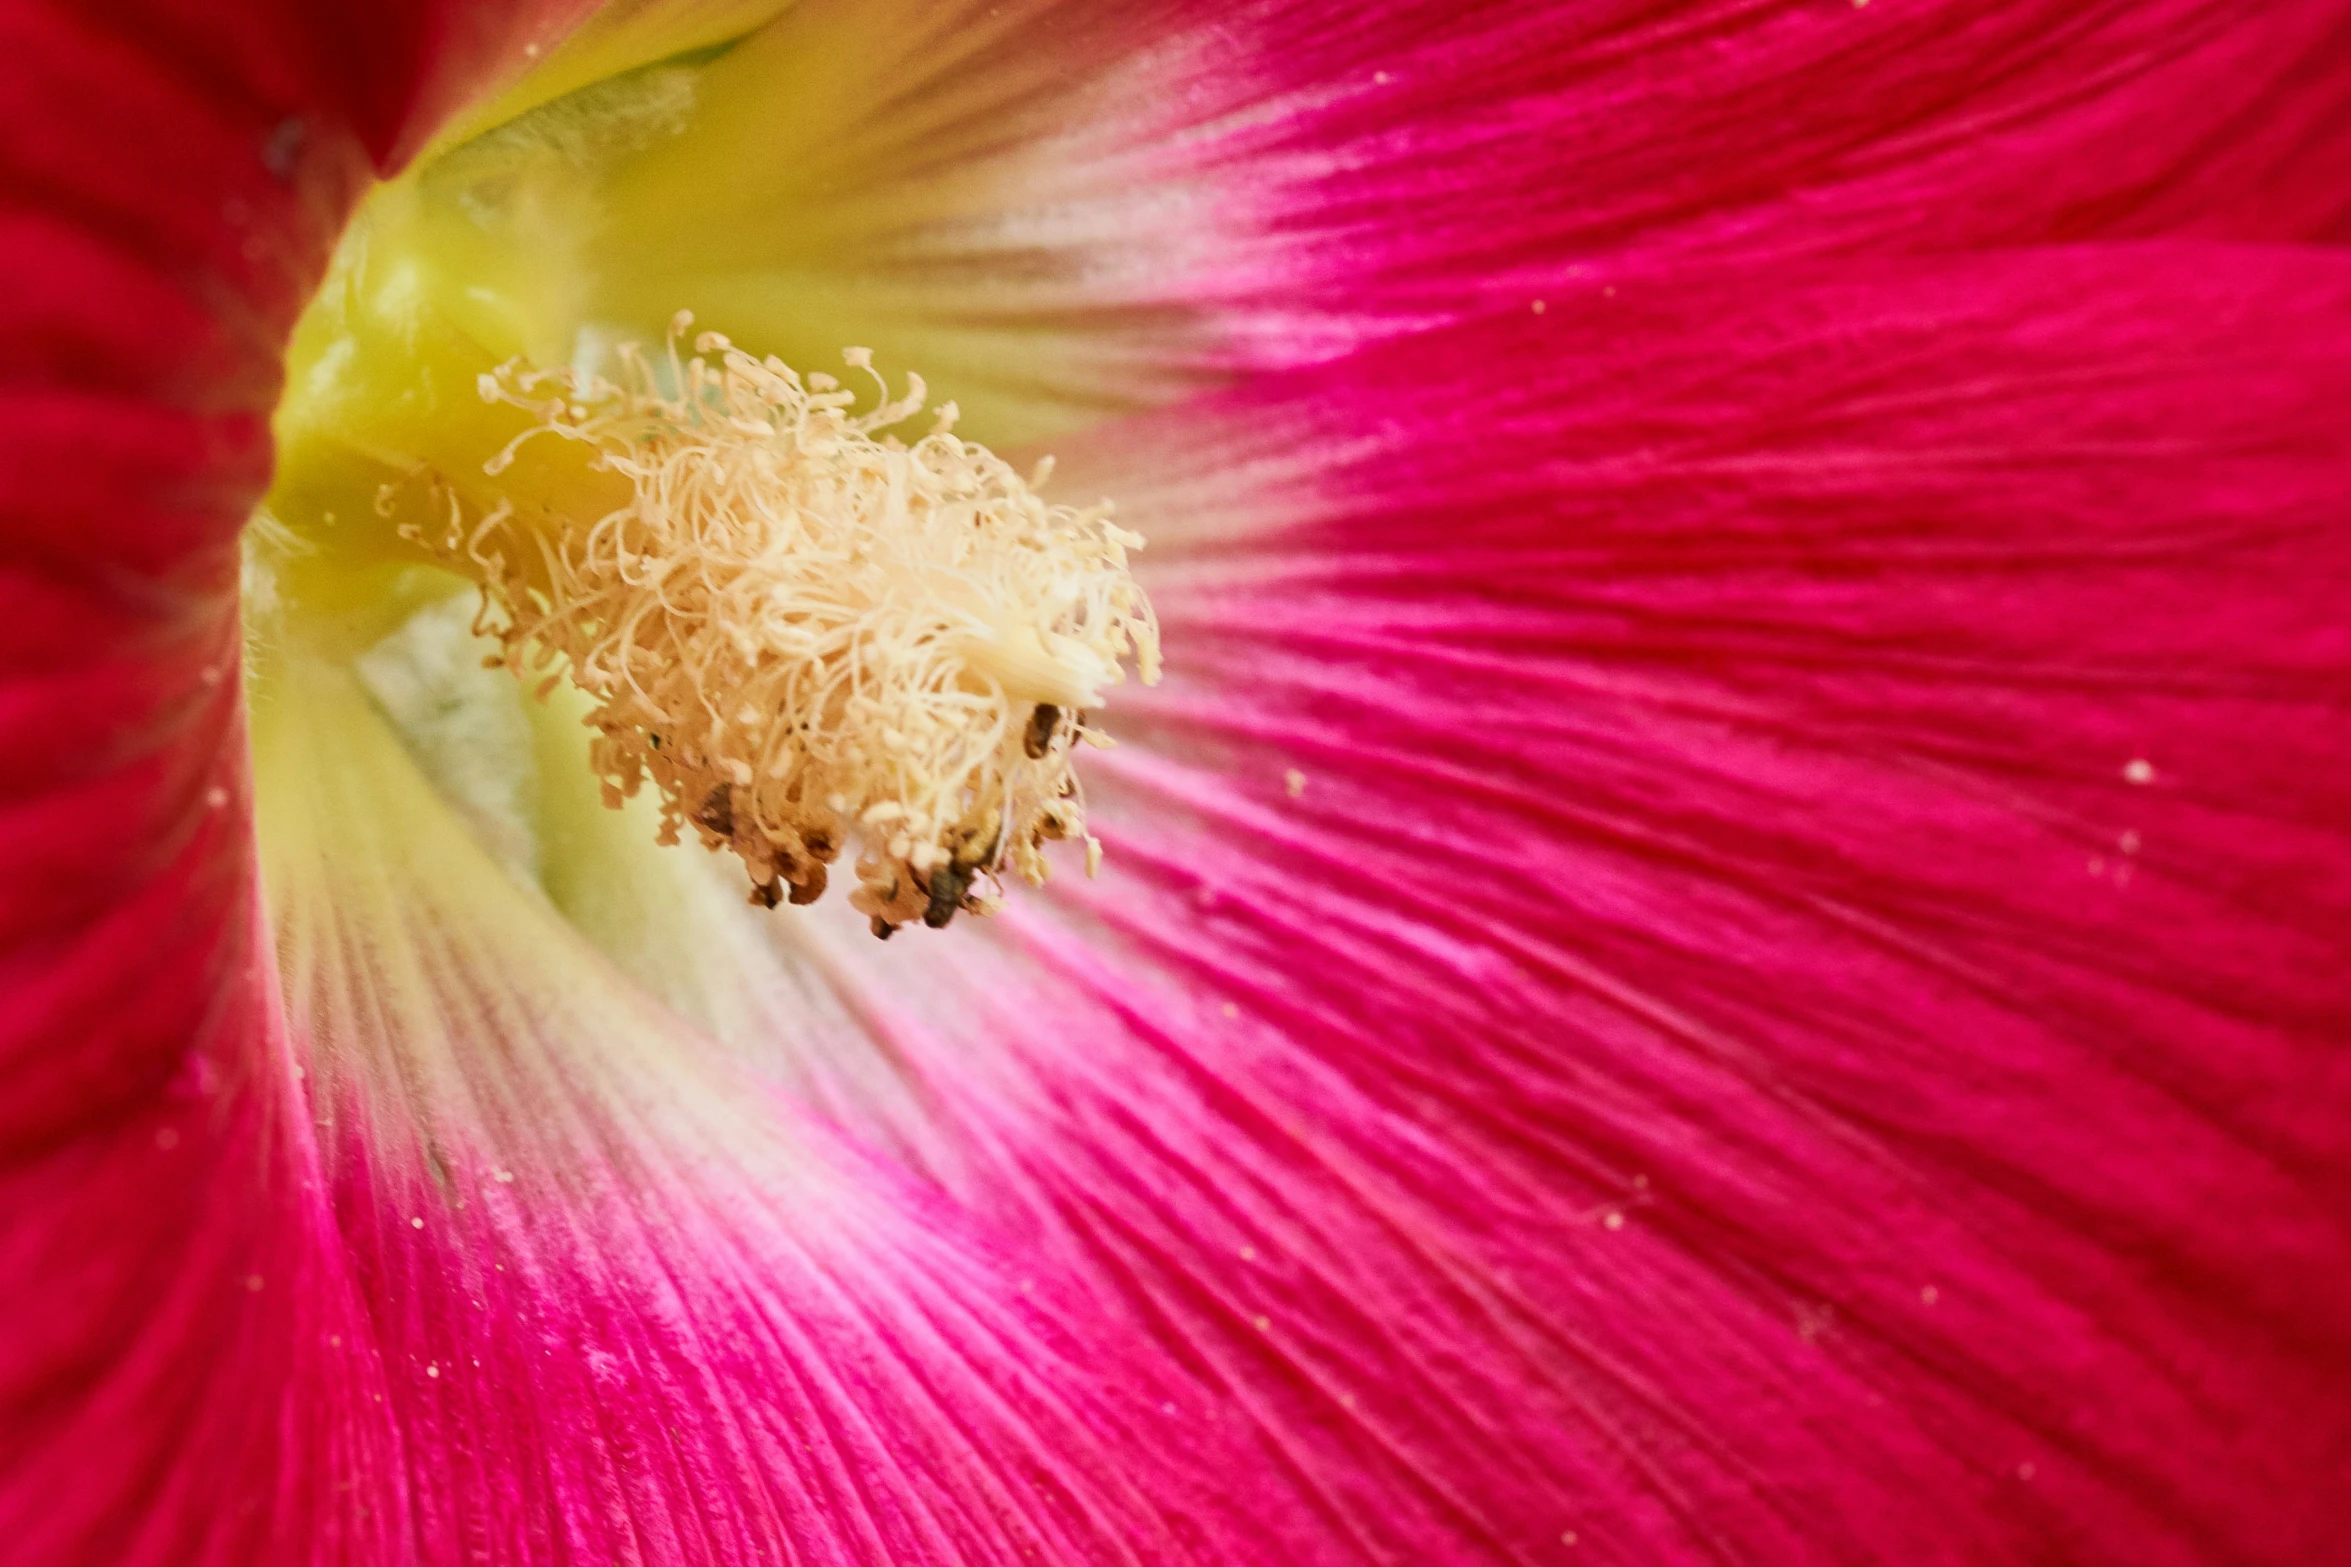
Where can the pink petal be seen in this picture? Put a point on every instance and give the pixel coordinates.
(2100, 1120)
(1432, 149)
(1059, 211)
(149, 1154)
(173, 175)
(627, 1305)
(1793, 1008)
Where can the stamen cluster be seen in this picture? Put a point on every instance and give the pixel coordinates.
(805, 630)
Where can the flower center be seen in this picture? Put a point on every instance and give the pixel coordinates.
(805, 629)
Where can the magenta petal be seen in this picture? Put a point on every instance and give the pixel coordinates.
(157, 1261)
(170, 178)
(1790, 1010)
(628, 1305)
(1408, 162)
(1730, 934)
(1060, 211)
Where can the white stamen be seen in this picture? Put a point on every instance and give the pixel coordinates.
(802, 628)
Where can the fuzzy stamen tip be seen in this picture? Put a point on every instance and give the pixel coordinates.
(805, 631)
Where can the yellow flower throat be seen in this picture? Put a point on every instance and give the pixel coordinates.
(807, 630)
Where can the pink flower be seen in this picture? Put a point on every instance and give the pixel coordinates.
(1725, 943)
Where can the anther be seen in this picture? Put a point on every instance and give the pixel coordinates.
(1043, 720)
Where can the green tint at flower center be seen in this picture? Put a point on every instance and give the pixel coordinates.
(811, 616)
